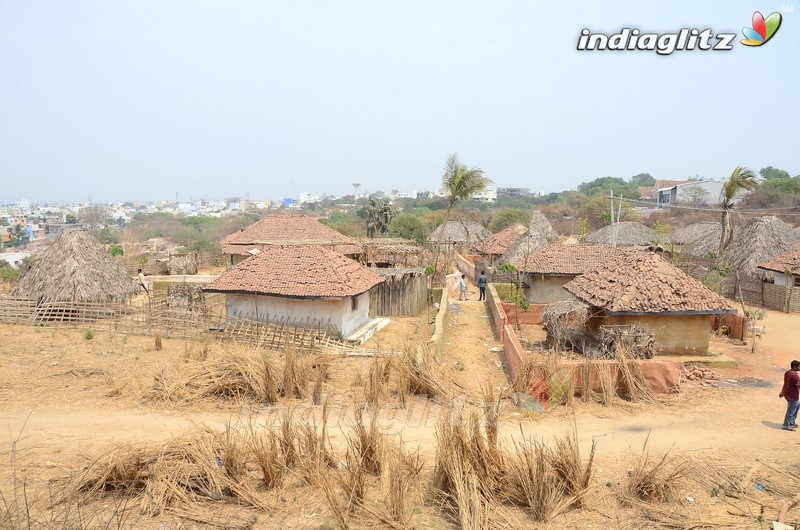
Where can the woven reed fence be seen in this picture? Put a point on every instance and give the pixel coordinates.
(402, 294)
(149, 315)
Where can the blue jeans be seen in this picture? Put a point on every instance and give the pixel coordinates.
(791, 413)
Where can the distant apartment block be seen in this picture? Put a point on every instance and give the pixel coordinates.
(406, 194)
(513, 192)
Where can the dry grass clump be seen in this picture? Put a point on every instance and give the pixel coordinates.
(314, 448)
(421, 375)
(297, 370)
(466, 473)
(531, 481)
(198, 466)
(597, 382)
(376, 387)
(653, 480)
(402, 471)
(236, 373)
(547, 480)
(366, 444)
(638, 389)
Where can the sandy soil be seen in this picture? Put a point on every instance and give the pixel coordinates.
(64, 397)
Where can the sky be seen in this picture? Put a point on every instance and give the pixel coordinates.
(148, 99)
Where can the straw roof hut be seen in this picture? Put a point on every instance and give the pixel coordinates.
(540, 224)
(524, 247)
(697, 239)
(759, 241)
(459, 232)
(76, 268)
(629, 234)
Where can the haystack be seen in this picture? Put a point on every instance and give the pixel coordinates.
(629, 234)
(540, 224)
(76, 268)
(698, 239)
(758, 241)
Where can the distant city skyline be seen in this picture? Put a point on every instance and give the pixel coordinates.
(140, 100)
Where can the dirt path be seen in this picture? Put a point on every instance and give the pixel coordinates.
(473, 354)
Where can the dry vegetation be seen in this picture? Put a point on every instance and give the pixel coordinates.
(315, 442)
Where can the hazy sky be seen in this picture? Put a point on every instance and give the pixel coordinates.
(141, 100)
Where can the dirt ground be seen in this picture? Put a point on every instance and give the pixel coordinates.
(66, 397)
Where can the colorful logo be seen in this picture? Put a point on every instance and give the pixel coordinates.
(762, 29)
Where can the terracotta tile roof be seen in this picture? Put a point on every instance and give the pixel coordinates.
(664, 183)
(643, 282)
(567, 259)
(499, 243)
(645, 192)
(297, 271)
(279, 229)
(785, 262)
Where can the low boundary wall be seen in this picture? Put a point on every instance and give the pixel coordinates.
(439, 337)
(663, 376)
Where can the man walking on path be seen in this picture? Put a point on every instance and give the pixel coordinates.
(791, 392)
(482, 285)
(462, 284)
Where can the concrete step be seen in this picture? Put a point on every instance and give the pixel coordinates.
(362, 334)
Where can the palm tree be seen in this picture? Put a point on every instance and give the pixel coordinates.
(460, 182)
(741, 179)
(378, 217)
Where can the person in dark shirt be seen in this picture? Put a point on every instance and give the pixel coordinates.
(791, 393)
(482, 285)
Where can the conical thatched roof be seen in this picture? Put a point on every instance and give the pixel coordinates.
(459, 232)
(76, 268)
(526, 245)
(629, 234)
(540, 224)
(698, 239)
(758, 241)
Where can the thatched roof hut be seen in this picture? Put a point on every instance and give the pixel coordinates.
(526, 245)
(76, 268)
(698, 239)
(758, 241)
(540, 224)
(629, 234)
(459, 232)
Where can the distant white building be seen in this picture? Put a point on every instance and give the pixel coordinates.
(24, 206)
(699, 192)
(307, 197)
(406, 194)
(485, 196)
(14, 258)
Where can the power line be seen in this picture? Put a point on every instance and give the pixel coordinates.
(754, 211)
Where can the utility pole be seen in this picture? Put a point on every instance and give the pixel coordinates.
(613, 229)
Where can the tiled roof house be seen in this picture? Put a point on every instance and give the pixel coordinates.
(495, 245)
(547, 269)
(642, 288)
(299, 282)
(286, 230)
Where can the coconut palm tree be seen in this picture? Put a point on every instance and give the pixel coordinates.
(741, 179)
(460, 182)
